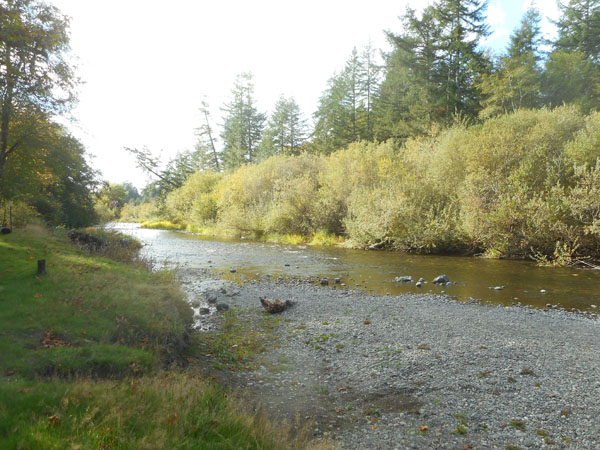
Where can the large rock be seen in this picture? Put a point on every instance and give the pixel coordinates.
(404, 279)
(442, 279)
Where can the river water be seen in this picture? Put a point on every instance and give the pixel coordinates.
(473, 278)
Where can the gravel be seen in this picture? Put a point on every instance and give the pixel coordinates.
(419, 371)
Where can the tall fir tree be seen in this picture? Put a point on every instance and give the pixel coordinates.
(243, 124)
(462, 26)
(410, 95)
(579, 28)
(286, 130)
(209, 157)
(516, 81)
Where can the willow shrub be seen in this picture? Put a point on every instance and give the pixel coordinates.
(194, 201)
(517, 178)
(517, 185)
(411, 205)
(275, 196)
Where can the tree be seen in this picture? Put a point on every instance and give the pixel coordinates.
(345, 109)
(579, 28)
(410, 96)
(461, 28)
(570, 77)
(205, 146)
(34, 74)
(369, 76)
(286, 130)
(516, 82)
(171, 175)
(243, 124)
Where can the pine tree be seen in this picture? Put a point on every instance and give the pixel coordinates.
(286, 130)
(579, 28)
(516, 81)
(243, 124)
(207, 153)
(461, 27)
(410, 97)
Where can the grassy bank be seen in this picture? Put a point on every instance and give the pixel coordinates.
(90, 354)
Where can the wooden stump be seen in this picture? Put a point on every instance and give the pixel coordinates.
(41, 267)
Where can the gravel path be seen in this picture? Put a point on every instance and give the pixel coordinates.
(422, 371)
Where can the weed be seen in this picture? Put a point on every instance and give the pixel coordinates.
(541, 432)
(423, 347)
(528, 372)
(517, 424)
(372, 412)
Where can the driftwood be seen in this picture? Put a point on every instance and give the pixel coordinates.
(275, 306)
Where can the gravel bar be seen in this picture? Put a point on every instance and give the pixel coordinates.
(421, 371)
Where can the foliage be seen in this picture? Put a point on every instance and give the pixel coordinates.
(35, 76)
(242, 124)
(521, 185)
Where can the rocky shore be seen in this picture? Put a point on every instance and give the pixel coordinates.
(417, 371)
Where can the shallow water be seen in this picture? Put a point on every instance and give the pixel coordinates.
(375, 271)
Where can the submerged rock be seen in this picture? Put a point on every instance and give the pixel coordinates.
(404, 279)
(441, 279)
(222, 307)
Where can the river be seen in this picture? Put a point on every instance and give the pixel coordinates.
(473, 278)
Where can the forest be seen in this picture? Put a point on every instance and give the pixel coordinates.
(436, 145)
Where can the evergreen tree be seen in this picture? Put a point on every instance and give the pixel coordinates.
(516, 81)
(345, 109)
(286, 130)
(243, 124)
(579, 28)
(409, 97)
(369, 75)
(571, 77)
(461, 27)
(209, 157)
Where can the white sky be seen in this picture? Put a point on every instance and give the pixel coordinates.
(148, 64)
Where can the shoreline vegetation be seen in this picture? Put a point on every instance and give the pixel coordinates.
(95, 354)
(523, 185)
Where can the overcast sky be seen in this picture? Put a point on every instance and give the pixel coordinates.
(147, 64)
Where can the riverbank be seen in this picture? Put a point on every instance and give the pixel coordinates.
(94, 354)
(417, 371)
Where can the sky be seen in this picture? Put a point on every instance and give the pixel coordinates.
(146, 65)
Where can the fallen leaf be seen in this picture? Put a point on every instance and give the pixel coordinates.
(341, 389)
(38, 295)
(424, 428)
(10, 373)
(54, 420)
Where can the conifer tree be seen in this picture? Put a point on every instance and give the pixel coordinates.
(516, 81)
(286, 130)
(243, 124)
(579, 28)
(461, 28)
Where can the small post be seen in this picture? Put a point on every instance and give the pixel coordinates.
(41, 267)
(10, 216)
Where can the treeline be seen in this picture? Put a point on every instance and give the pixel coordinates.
(436, 74)
(43, 169)
(525, 184)
(441, 149)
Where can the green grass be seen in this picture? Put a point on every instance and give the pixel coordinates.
(84, 351)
